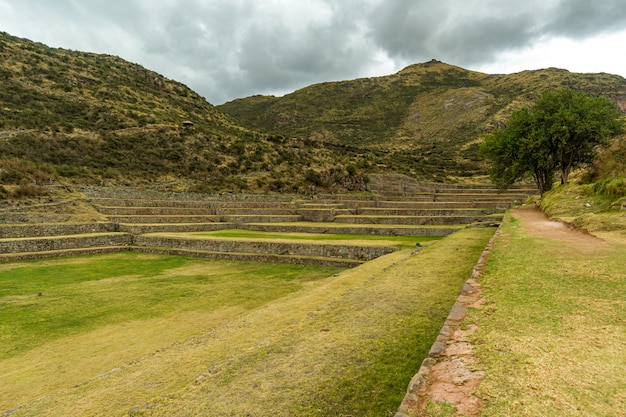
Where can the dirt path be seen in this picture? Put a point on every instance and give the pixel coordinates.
(536, 223)
(448, 374)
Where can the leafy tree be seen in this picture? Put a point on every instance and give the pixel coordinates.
(559, 132)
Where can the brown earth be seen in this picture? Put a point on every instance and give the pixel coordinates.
(536, 223)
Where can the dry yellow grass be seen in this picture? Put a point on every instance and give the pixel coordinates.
(303, 354)
(552, 337)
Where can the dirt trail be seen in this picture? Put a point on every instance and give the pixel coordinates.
(536, 223)
(448, 375)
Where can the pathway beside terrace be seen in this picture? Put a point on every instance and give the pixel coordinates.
(449, 374)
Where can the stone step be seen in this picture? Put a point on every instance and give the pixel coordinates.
(24, 256)
(52, 243)
(53, 229)
(443, 205)
(251, 257)
(424, 203)
(209, 203)
(260, 218)
(265, 246)
(138, 229)
(360, 229)
(126, 202)
(454, 212)
(165, 219)
(280, 204)
(322, 205)
(155, 211)
(271, 211)
(322, 214)
(415, 220)
(460, 190)
(454, 197)
(241, 218)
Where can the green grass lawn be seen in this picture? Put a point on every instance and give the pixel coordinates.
(552, 337)
(81, 294)
(161, 335)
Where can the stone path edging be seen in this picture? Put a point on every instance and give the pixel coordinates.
(446, 375)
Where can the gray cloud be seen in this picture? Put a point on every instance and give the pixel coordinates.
(226, 49)
(581, 18)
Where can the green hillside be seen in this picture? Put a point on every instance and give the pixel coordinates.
(426, 120)
(75, 117)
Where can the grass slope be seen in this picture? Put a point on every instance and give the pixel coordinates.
(192, 338)
(552, 337)
(78, 117)
(99, 312)
(426, 120)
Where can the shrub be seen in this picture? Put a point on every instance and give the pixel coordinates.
(28, 191)
(608, 187)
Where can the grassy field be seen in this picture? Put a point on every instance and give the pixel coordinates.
(145, 335)
(552, 337)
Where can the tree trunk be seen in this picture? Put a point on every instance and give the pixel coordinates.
(565, 171)
(543, 180)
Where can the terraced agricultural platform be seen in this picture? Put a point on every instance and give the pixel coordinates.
(132, 220)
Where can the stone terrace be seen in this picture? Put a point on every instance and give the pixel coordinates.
(170, 223)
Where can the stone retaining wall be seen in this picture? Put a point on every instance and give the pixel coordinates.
(117, 202)
(259, 257)
(317, 215)
(164, 219)
(432, 205)
(260, 218)
(298, 260)
(266, 211)
(138, 229)
(369, 211)
(363, 253)
(413, 220)
(155, 211)
(353, 229)
(16, 257)
(43, 244)
(53, 229)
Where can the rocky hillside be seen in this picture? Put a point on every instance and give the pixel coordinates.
(426, 120)
(78, 117)
(68, 116)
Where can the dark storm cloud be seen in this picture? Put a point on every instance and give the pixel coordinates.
(581, 18)
(226, 49)
(471, 32)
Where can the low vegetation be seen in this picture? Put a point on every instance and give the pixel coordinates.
(163, 335)
(272, 340)
(596, 207)
(551, 336)
(560, 132)
(74, 117)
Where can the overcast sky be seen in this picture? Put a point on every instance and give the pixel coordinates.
(226, 49)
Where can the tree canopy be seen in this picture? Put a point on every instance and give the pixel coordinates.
(561, 131)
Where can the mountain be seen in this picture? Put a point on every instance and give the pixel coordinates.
(74, 116)
(426, 120)
(69, 116)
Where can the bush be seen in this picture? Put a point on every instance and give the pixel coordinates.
(28, 191)
(608, 187)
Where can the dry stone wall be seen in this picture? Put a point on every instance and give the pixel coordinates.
(55, 243)
(362, 253)
(54, 229)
